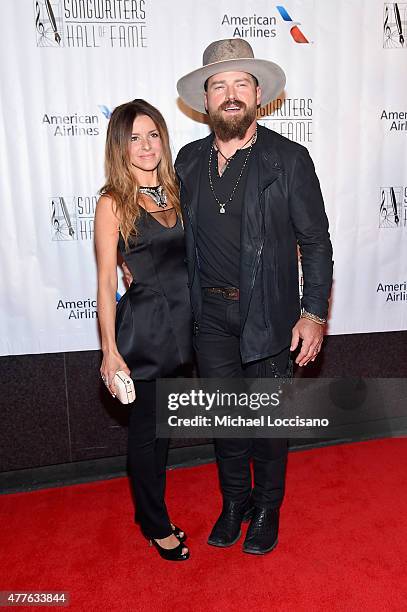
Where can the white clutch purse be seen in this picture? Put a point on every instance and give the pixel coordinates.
(124, 385)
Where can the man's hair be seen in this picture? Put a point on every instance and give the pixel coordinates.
(252, 75)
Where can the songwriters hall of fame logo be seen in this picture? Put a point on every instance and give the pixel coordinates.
(48, 23)
(393, 207)
(72, 218)
(395, 25)
(90, 24)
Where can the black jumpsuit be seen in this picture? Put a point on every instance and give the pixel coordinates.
(153, 334)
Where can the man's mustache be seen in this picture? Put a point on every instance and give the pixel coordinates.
(231, 102)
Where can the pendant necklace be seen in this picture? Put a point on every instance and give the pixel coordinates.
(228, 159)
(222, 205)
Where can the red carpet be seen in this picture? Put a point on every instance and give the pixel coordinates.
(343, 541)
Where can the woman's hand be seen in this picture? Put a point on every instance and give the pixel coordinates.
(112, 363)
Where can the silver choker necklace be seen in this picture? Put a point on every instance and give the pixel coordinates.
(155, 193)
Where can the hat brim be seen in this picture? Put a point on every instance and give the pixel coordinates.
(270, 76)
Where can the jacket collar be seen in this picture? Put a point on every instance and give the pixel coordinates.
(265, 167)
(190, 165)
(268, 158)
(270, 166)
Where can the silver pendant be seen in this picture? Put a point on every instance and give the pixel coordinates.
(222, 209)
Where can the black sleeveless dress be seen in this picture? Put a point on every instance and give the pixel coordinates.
(153, 318)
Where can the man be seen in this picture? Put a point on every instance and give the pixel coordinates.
(249, 197)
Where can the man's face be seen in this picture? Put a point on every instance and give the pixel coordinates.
(231, 100)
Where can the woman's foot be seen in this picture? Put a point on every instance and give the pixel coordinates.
(170, 548)
(170, 542)
(181, 535)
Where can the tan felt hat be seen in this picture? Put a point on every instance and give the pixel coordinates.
(231, 55)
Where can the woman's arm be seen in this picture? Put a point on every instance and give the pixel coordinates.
(106, 239)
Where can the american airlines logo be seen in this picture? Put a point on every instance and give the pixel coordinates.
(295, 31)
(264, 25)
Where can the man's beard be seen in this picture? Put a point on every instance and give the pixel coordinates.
(236, 126)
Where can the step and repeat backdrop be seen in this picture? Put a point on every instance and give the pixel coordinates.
(65, 65)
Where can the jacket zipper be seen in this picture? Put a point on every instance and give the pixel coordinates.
(258, 254)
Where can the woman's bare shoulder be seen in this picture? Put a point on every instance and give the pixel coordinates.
(106, 201)
(106, 205)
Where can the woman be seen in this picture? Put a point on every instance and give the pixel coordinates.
(150, 334)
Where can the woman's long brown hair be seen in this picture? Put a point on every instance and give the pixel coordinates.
(121, 184)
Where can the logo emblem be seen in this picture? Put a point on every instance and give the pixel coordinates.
(63, 219)
(391, 204)
(106, 112)
(394, 25)
(295, 31)
(48, 23)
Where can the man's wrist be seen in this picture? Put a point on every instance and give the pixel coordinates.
(312, 317)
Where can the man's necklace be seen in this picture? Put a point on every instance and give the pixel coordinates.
(223, 204)
(228, 159)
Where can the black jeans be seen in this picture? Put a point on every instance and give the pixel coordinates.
(218, 354)
(147, 457)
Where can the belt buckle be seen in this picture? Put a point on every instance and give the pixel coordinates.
(228, 293)
(231, 293)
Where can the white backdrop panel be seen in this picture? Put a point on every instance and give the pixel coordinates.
(67, 63)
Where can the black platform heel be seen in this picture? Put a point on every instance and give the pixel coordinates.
(170, 554)
(177, 531)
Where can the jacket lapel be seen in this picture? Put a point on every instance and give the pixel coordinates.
(263, 170)
(190, 172)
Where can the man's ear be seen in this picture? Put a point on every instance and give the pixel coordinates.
(258, 95)
(206, 101)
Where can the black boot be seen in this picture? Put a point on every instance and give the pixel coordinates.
(262, 534)
(227, 529)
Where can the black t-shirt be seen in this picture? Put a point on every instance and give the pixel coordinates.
(218, 239)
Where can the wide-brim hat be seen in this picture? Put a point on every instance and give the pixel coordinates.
(231, 55)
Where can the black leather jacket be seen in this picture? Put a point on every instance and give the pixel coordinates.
(283, 208)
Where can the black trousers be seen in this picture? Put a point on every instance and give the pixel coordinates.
(218, 355)
(147, 459)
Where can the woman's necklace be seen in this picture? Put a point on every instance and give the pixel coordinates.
(222, 205)
(157, 194)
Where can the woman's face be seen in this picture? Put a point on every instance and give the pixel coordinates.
(145, 148)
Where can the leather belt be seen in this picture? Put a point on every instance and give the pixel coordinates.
(229, 293)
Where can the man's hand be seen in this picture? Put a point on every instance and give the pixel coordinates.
(128, 278)
(312, 335)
